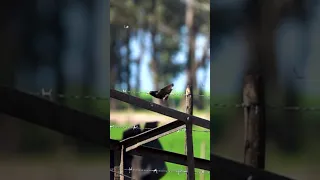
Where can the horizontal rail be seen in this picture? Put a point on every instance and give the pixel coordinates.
(164, 155)
(159, 109)
(54, 116)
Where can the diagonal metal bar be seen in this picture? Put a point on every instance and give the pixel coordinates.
(56, 117)
(150, 135)
(222, 168)
(158, 108)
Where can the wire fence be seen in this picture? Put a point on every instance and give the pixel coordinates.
(172, 93)
(178, 172)
(286, 108)
(137, 127)
(111, 170)
(51, 95)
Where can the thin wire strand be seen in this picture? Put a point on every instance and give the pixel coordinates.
(165, 171)
(172, 93)
(111, 170)
(49, 94)
(286, 108)
(136, 127)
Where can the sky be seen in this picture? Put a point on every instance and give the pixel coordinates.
(180, 80)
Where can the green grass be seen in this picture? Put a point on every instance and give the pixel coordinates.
(175, 143)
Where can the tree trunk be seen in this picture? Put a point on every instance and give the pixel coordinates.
(127, 66)
(191, 71)
(114, 66)
(138, 62)
(154, 60)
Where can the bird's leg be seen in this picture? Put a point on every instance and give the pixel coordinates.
(166, 97)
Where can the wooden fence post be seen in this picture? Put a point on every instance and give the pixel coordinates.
(189, 142)
(118, 164)
(254, 119)
(116, 168)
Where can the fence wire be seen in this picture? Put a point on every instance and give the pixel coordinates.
(136, 127)
(172, 93)
(111, 170)
(286, 108)
(179, 172)
(49, 94)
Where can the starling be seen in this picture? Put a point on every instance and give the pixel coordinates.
(162, 93)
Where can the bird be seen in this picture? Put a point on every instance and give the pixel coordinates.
(162, 93)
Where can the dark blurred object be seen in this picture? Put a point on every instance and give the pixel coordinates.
(153, 163)
(128, 158)
(136, 162)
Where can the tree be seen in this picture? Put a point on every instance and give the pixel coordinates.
(164, 21)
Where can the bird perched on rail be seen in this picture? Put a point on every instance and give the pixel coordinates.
(162, 93)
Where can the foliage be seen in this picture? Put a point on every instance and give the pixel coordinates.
(161, 22)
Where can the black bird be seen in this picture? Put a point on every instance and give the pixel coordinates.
(162, 93)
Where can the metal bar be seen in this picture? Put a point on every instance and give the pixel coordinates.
(170, 157)
(163, 155)
(150, 135)
(158, 108)
(53, 116)
(222, 168)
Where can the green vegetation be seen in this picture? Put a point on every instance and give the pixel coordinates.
(175, 143)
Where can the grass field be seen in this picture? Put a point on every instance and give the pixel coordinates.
(175, 143)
